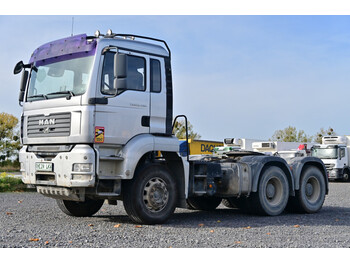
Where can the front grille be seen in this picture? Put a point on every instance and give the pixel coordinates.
(329, 166)
(49, 126)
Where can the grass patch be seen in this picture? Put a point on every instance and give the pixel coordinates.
(11, 184)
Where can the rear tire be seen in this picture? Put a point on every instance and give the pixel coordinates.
(204, 203)
(311, 194)
(150, 197)
(80, 209)
(273, 192)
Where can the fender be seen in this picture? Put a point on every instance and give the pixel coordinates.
(137, 147)
(258, 162)
(298, 163)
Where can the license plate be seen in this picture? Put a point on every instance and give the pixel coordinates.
(43, 167)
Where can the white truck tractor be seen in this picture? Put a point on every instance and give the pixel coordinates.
(97, 110)
(334, 152)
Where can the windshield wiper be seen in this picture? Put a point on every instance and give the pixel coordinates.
(62, 92)
(36, 96)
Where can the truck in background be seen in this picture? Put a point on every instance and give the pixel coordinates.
(96, 112)
(334, 152)
(282, 149)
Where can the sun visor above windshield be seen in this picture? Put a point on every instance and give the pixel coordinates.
(75, 45)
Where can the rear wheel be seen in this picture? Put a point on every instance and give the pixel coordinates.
(311, 194)
(150, 197)
(273, 192)
(203, 203)
(80, 209)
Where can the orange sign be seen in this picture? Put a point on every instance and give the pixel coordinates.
(99, 134)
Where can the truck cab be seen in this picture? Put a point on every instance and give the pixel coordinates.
(334, 153)
(94, 109)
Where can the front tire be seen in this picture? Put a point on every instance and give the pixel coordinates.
(150, 197)
(346, 176)
(273, 192)
(80, 209)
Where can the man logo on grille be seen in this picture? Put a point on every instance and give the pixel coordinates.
(50, 121)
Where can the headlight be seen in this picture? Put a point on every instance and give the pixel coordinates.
(82, 167)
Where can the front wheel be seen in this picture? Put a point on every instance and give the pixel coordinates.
(86, 208)
(150, 197)
(311, 194)
(346, 176)
(273, 192)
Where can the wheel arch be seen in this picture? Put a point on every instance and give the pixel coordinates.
(138, 148)
(260, 163)
(299, 165)
(346, 169)
(177, 170)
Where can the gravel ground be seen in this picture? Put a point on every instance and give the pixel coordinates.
(32, 220)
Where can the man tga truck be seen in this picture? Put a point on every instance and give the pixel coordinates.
(334, 152)
(96, 112)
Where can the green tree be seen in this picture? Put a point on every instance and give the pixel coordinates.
(180, 130)
(291, 134)
(9, 135)
(323, 132)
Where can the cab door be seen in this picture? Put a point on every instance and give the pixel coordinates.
(124, 115)
(158, 95)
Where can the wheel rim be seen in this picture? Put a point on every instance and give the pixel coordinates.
(312, 189)
(274, 191)
(155, 194)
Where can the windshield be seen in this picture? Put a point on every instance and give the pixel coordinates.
(325, 153)
(68, 77)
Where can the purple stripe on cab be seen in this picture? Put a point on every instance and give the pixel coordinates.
(70, 47)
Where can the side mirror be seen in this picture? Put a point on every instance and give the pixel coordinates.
(21, 96)
(18, 68)
(24, 80)
(120, 71)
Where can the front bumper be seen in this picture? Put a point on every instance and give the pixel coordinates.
(62, 174)
(335, 174)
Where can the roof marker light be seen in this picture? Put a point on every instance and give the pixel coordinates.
(110, 34)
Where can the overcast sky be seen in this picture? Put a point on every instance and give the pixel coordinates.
(233, 76)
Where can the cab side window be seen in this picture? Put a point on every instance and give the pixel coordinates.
(136, 74)
(155, 76)
(342, 152)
